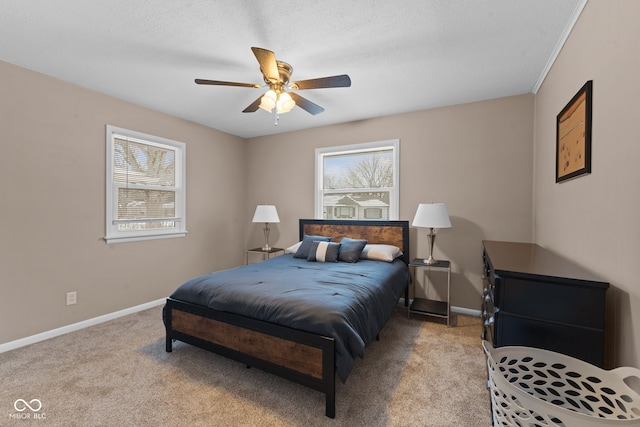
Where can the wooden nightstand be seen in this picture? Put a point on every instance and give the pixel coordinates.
(271, 253)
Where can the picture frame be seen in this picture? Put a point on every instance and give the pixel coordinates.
(573, 136)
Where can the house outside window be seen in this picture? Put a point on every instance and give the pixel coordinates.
(358, 181)
(145, 186)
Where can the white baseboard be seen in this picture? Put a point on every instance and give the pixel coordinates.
(11, 345)
(458, 310)
(465, 311)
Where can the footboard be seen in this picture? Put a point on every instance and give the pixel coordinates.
(303, 357)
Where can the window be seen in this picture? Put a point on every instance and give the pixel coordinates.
(373, 213)
(344, 211)
(145, 186)
(358, 181)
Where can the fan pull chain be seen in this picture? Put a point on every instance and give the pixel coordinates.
(277, 118)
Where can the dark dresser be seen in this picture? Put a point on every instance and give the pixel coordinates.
(535, 298)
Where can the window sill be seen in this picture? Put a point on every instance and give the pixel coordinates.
(112, 239)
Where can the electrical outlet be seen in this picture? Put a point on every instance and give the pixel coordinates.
(71, 298)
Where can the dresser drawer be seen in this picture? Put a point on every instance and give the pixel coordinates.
(554, 302)
(565, 339)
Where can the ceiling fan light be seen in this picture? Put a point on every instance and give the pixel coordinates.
(285, 103)
(268, 100)
(280, 108)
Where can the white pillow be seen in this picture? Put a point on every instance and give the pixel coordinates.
(293, 248)
(380, 252)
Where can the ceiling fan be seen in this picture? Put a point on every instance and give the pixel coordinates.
(276, 75)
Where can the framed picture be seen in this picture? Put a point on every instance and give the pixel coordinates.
(573, 136)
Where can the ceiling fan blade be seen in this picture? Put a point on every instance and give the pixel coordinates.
(221, 83)
(305, 104)
(254, 106)
(268, 65)
(342, 80)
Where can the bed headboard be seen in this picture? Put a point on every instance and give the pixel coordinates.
(383, 232)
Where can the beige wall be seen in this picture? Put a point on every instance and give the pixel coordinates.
(52, 206)
(593, 219)
(476, 158)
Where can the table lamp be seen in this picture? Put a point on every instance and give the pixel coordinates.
(431, 216)
(267, 214)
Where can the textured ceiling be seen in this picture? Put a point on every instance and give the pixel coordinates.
(401, 55)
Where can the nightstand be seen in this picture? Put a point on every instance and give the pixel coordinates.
(426, 306)
(271, 253)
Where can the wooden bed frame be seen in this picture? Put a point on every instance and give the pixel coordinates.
(299, 356)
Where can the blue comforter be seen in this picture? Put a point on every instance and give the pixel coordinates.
(349, 302)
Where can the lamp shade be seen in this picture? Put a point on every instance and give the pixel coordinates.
(268, 100)
(266, 213)
(285, 103)
(432, 215)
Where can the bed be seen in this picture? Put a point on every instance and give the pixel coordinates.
(304, 321)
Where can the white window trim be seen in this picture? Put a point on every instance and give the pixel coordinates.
(112, 235)
(394, 196)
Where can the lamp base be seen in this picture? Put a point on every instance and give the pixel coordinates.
(266, 247)
(432, 239)
(430, 261)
